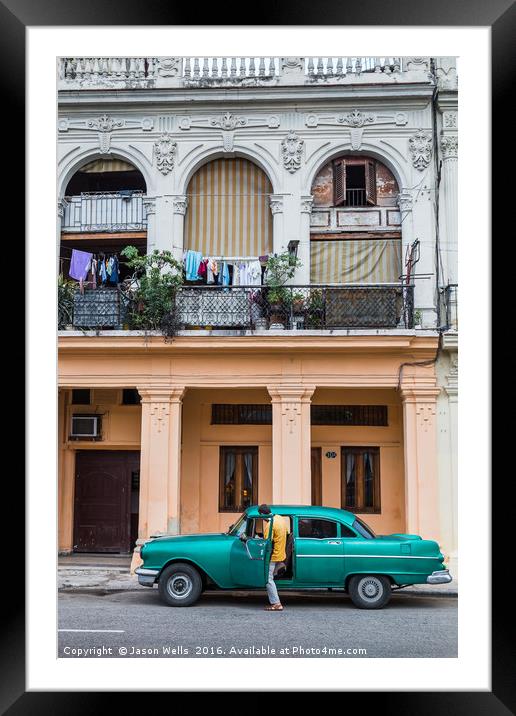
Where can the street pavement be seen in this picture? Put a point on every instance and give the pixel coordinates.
(221, 625)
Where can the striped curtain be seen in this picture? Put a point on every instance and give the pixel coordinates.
(355, 261)
(228, 210)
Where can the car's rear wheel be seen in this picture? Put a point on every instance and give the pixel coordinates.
(180, 585)
(369, 591)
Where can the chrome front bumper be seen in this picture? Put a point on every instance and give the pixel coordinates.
(442, 576)
(146, 577)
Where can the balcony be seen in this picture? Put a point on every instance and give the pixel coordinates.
(448, 308)
(191, 72)
(104, 212)
(249, 308)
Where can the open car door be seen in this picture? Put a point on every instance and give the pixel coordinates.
(251, 554)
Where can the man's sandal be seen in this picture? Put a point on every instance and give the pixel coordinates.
(274, 608)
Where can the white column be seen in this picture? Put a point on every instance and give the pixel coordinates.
(303, 250)
(163, 223)
(278, 231)
(179, 207)
(150, 208)
(449, 152)
(59, 224)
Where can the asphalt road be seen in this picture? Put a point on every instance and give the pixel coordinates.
(138, 624)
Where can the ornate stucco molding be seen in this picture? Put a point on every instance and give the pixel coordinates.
(150, 205)
(405, 200)
(227, 123)
(292, 151)
(276, 204)
(164, 152)
(180, 204)
(356, 120)
(104, 125)
(307, 204)
(449, 146)
(420, 149)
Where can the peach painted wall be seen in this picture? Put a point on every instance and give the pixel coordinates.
(201, 442)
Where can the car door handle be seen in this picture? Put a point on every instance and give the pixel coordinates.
(334, 542)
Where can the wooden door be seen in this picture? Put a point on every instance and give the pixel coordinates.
(316, 476)
(102, 514)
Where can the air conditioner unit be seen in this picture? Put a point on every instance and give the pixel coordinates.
(85, 426)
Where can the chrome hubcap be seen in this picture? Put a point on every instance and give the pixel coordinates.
(179, 586)
(370, 588)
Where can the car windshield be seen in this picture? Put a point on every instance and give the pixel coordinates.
(239, 525)
(363, 529)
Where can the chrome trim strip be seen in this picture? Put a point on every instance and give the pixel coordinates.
(370, 556)
(143, 571)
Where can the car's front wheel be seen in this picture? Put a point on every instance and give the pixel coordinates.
(180, 585)
(369, 591)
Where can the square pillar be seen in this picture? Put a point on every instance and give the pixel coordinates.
(160, 463)
(291, 462)
(419, 395)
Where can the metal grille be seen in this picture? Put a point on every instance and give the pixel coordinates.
(348, 415)
(245, 414)
(116, 211)
(225, 308)
(98, 308)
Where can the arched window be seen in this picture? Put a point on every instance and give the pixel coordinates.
(103, 211)
(228, 211)
(355, 224)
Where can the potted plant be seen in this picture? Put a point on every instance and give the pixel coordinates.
(65, 293)
(280, 269)
(418, 318)
(298, 303)
(156, 277)
(315, 308)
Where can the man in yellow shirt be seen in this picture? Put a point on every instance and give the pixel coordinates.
(279, 554)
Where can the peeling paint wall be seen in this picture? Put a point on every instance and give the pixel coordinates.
(386, 186)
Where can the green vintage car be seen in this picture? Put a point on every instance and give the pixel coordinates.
(327, 548)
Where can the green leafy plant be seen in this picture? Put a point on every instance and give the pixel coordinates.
(155, 279)
(65, 293)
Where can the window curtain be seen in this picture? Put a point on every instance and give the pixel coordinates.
(228, 210)
(229, 476)
(350, 480)
(355, 261)
(368, 480)
(248, 463)
(107, 165)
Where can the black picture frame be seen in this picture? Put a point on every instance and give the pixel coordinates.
(500, 16)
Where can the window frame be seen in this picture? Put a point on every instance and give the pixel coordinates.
(360, 507)
(340, 164)
(239, 450)
(320, 519)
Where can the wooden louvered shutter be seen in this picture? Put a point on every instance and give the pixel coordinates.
(370, 182)
(339, 182)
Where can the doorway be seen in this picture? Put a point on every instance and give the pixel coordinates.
(106, 501)
(316, 476)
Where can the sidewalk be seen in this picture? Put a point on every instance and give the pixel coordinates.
(113, 576)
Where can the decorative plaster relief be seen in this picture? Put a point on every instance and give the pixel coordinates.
(307, 204)
(291, 65)
(276, 204)
(228, 123)
(420, 148)
(291, 411)
(169, 66)
(292, 150)
(405, 200)
(164, 151)
(425, 414)
(449, 146)
(159, 414)
(180, 204)
(150, 205)
(450, 120)
(356, 120)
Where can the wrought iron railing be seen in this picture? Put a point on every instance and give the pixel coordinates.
(448, 309)
(104, 211)
(323, 307)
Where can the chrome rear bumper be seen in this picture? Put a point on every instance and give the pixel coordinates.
(146, 577)
(442, 576)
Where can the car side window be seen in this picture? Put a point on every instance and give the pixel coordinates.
(316, 528)
(346, 531)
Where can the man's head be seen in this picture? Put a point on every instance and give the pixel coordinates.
(264, 509)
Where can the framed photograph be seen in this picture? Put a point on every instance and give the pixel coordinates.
(244, 394)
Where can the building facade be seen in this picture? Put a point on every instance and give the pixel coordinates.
(349, 397)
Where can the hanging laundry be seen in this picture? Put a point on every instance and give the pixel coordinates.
(225, 274)
(192, 261)
(113, 278)
(236, 274)
(202, 270)
(80, 264)
(94, 273)
(102, 271)
(212, 271)
(254, 273)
